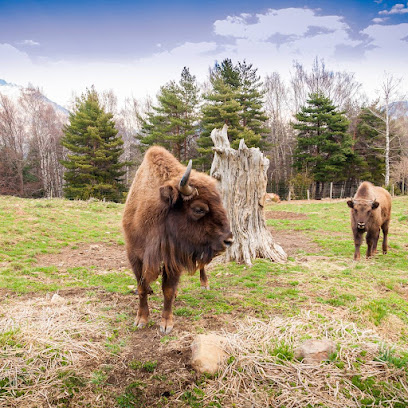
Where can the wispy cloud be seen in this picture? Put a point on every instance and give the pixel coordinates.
(396, 9)
(379, 20)
(30, 43)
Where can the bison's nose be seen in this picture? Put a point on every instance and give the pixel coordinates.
(228, 242)
(361, 225)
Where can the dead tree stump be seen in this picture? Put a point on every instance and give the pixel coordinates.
(242, 181)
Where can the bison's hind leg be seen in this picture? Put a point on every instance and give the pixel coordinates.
(169, 286)
(372, 239)
(143, 290)
(204, 279)
(385, 227)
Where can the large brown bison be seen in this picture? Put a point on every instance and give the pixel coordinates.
(173, 221)
(370, 212)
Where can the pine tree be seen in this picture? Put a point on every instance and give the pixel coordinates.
(190, 96)
(93, 167)
(324, 148)
(221, 108)
(369, 146)
(235, 99)
(172, 122)
(250, 97)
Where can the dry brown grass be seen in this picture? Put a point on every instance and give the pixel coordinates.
(45, 346)
(257, 375)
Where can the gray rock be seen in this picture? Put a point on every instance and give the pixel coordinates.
(315, 351)
(208, 353)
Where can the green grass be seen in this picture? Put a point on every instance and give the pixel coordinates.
(371, 290)
(371, 293)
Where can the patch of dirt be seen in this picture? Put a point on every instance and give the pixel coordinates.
(103, 256)
(285, 215)
(293, 241)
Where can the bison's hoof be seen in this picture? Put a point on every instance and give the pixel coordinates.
(140, 322)
(205, 287)
(149, 291)
(166, 326)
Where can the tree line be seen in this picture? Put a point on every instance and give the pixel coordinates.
(318, 127)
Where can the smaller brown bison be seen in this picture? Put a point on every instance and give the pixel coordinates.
(173, 221)
(370, 212)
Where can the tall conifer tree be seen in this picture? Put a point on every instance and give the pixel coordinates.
(93, 167)
(172, 123)
(250, 97)
(369, 146)
(235, 100)
(324, 148)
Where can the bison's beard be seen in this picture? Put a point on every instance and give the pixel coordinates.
(182, 255)
(173, 254)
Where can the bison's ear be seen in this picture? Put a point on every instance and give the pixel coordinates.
(375, 204)
(350, 203)
(169, 194)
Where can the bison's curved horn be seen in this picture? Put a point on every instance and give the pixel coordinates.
(183, 187)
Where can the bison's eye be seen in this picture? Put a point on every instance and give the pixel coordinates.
(198, 210)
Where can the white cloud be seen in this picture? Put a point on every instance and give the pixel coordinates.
(388, 41)
(271, 41)
(379, 20)
(291, 22)
(30, 43)
(396, 9)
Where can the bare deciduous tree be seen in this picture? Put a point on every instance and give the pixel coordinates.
(388, 95)
(399, 172)
(45, 127)
(281, 136)
(13, 144)
(128, 122)
(340, 87)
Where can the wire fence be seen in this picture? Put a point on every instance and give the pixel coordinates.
(326, 190)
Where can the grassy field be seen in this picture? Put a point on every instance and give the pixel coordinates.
(80, 348)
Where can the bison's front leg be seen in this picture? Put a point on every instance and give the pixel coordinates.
(358, 239)
(169, 286)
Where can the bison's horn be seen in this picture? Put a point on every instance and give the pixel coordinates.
(184, 188)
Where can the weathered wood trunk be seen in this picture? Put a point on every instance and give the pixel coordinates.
(242, 175)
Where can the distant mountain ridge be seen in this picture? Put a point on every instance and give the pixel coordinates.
(13, 91)
(399, 108)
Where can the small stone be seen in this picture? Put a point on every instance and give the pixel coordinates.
(94, 247)
(315, 351)
(208, 353)
(57, 299)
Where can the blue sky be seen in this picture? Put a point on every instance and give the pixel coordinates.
(135, 47)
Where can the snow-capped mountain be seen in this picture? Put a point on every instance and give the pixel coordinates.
(13, 91)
